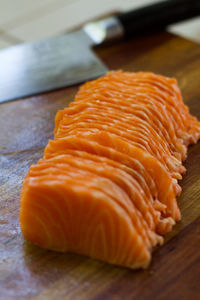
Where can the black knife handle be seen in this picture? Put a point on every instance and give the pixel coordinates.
(157, 16)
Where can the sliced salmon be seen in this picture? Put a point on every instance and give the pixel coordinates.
(107, 184)
(125, 153)
(137, 133)
(145, 113)
(109, 224)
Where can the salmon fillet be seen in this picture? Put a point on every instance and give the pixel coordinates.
(107, 184)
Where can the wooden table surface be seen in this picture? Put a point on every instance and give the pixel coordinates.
(27, 272)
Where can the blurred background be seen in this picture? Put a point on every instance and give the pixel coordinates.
(27, 20)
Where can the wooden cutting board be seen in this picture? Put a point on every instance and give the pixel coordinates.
(27, 272)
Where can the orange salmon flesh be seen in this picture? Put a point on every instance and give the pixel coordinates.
(107, 184)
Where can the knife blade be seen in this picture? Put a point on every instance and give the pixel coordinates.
(32, 68)
(47, 65)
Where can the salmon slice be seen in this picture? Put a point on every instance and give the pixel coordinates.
(107, 184)
(110, 224)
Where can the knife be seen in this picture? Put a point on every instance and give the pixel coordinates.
(32, 68)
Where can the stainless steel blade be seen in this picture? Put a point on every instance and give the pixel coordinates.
(46, 65)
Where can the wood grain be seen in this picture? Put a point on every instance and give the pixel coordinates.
(27, 272)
